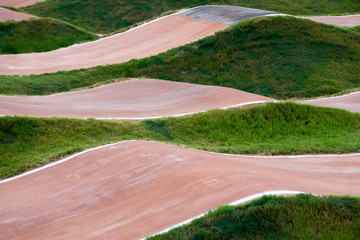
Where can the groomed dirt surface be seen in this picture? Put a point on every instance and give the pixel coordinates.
(132, 99)
(348, 20)
(350, 102)
(7, 14)
(144, 41)
(134, 189)
(151, 39)
(18, 3)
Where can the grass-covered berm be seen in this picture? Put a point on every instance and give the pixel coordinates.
(107, 16)
(269, 129)
(281, 57)
(39, 35)
(297, 217)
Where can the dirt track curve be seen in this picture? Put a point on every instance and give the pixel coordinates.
(18, 3)
(350, 102)
(347, 20)
(134, 189)
(132, 99)
(148, 39)
(7, 14)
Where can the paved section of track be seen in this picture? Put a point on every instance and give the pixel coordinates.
(146, 40)
(134, 189)
(347, 20)
(133, 99)
(18, 3)
(223, 13)
(349, 102)
(7, 14)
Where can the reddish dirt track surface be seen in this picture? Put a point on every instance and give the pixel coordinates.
(18, 3)
(134, 189)
(350, 102)
(7, 14)
(132, 99)
(348, 20)
(150, 39)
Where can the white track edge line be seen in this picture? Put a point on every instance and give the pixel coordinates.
(238, 202)
(125, 141)
(61, 161)
(326, 98)
(118, 34)
(186, 114)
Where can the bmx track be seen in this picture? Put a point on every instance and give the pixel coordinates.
(134, 189)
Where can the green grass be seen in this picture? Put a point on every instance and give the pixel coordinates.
(282, 128)
(302, 216)
(280, 57)
(39, 35)
(107, 16)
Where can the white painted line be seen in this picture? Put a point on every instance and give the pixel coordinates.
(223, 154)
(60, 161)
(326, 98)
(238, 202)
(185, 114)
(118, 34)
(340, 16)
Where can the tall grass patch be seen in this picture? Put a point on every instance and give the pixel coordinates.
(274, 128)
(276, 217)
(39, 35)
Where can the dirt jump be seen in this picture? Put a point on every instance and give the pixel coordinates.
(350, 102)
(133, 189)
(132, 99)
(7, 14)
(148, 39)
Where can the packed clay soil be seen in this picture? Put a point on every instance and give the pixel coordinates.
(18, 3)
(7, 14)
(348, 20)
(149, 39)
(132, 99)
(350, 102)
(134, 189)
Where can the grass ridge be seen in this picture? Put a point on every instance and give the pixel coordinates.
(269, 129)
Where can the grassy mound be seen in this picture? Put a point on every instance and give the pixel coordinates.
(107, 16)
(39, 35)
(282, 128)
(280, 57)
(270, 217)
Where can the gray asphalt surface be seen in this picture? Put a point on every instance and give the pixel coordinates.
(223, 13)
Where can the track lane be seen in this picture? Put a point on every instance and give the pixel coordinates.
(131, 99)
(134, 189)
(346, 20)
(7, 14)
(19, 3)
(350, 102)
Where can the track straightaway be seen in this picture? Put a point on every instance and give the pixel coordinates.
(350, 102)
(346, 20)
(7, 14)
(148, 39)
(110, 191)
(131, 99)
(19, 3)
